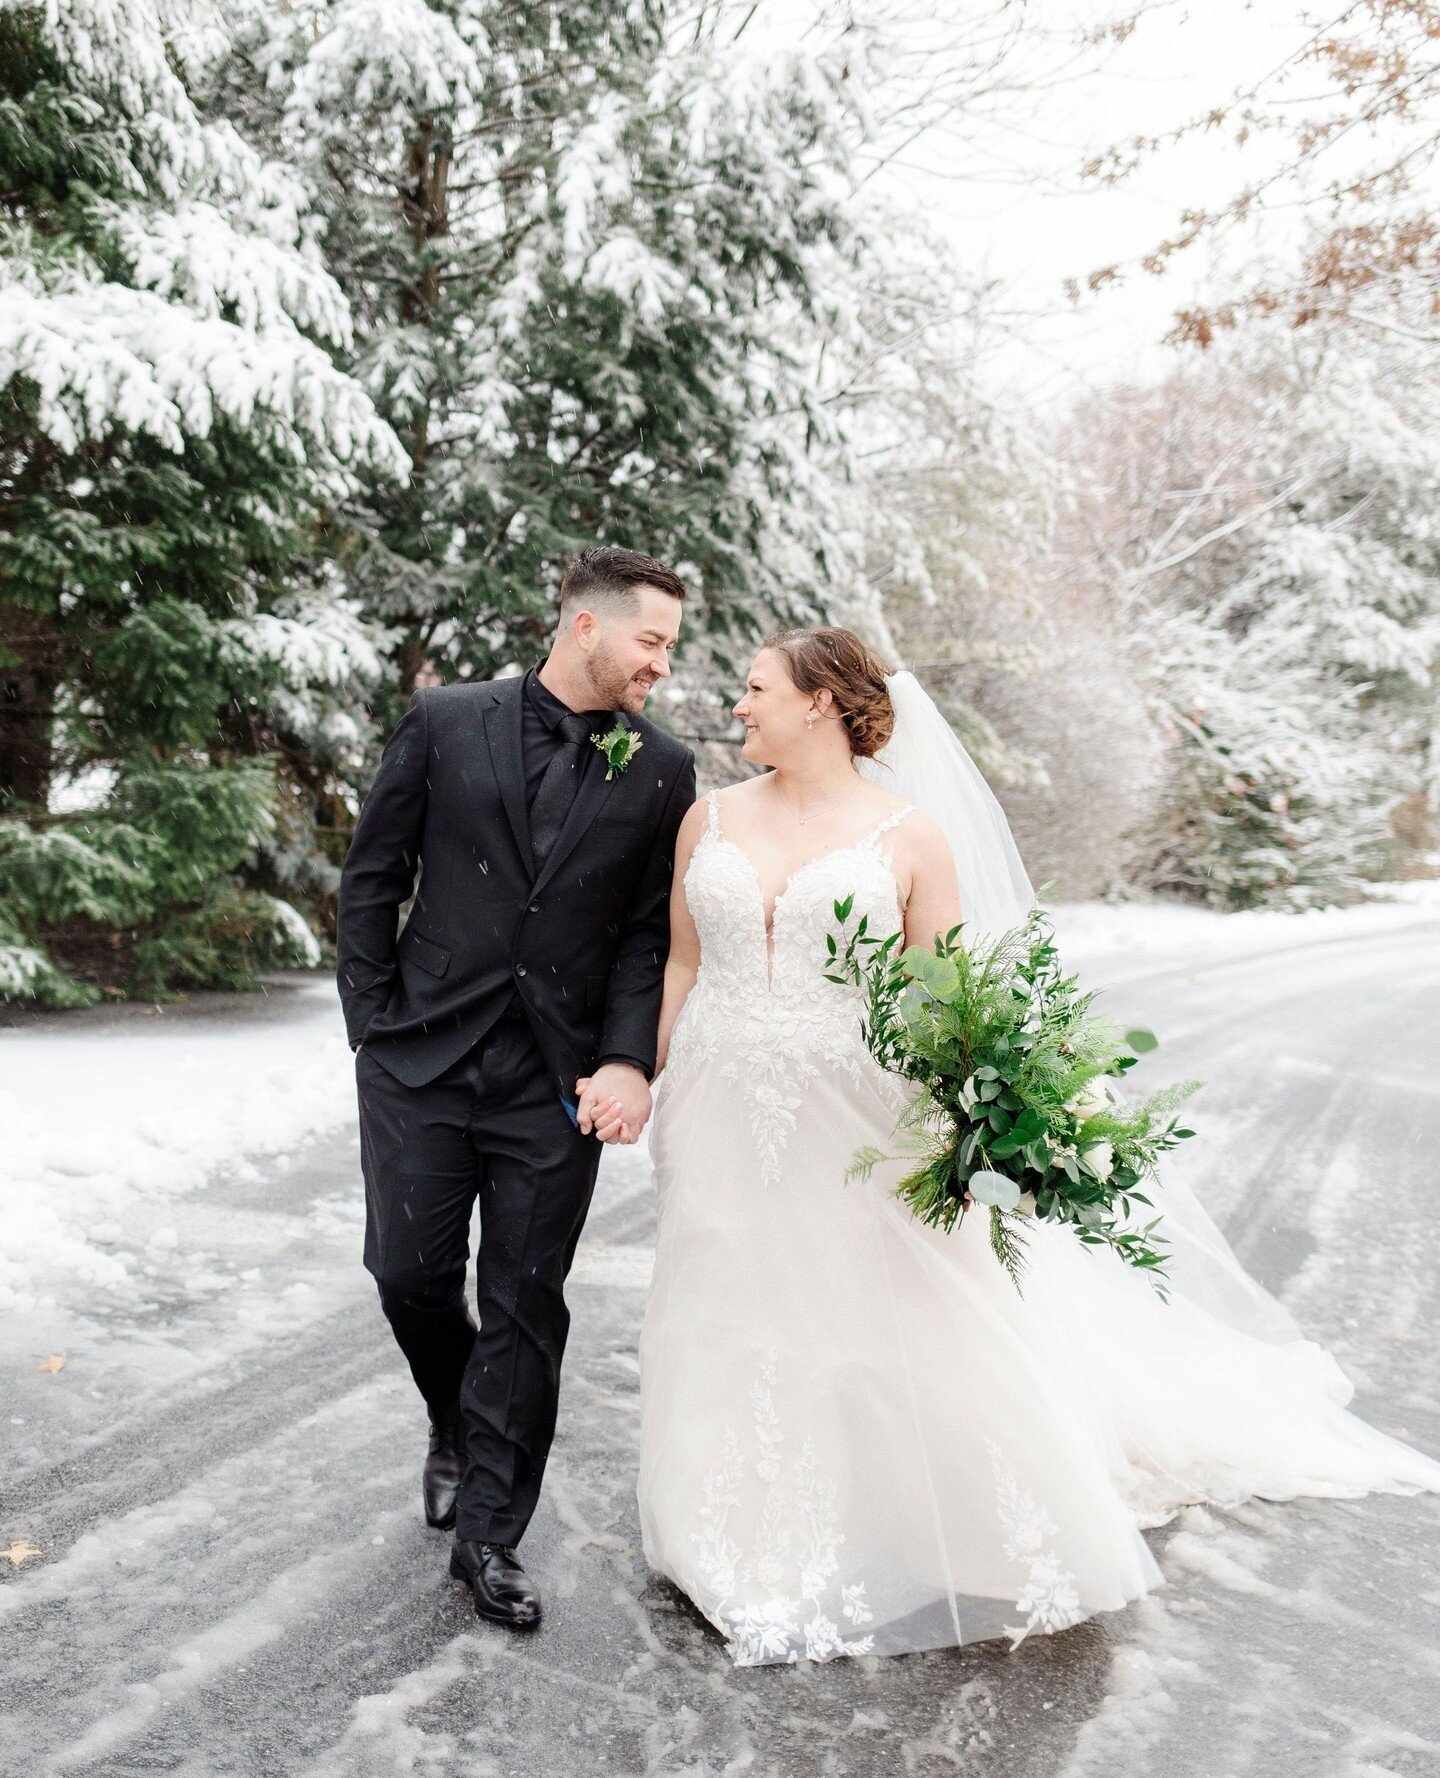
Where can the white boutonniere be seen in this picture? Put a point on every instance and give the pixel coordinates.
(619, 746)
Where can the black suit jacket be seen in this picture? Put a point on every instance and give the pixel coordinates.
(582, 941)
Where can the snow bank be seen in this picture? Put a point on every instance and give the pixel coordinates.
(98, 1121)
(1173, 932)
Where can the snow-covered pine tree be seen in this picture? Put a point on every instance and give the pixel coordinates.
(172, 433)
(1277, 786)
(1263, 525)
(576, 241)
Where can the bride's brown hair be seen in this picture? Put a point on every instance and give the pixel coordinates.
(831, 659)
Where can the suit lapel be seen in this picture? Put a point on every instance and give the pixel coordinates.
(502, 734)
(594, 792)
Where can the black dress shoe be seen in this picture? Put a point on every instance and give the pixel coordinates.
(440, 1479)
(502, 1590)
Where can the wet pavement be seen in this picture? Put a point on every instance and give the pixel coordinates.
(234, 1579)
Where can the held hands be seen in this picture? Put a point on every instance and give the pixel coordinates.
(614, 1102)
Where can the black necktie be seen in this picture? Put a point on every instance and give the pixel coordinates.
(558, 786)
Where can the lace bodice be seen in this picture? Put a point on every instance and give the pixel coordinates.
(761, 1006)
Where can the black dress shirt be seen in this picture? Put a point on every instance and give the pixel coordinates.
(540, 738)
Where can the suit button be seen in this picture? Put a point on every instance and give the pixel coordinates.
(519, 969)
(534, 907)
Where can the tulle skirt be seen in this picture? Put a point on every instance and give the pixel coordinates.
(856, 1436)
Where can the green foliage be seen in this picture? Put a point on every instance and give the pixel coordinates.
(208, 819)
(164, 473)
(53, 139)
(91, 870)
(1013, 1113)
(219, 944)
(155, 868)
(27, 973)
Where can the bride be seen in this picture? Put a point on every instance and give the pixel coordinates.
(856, 1436)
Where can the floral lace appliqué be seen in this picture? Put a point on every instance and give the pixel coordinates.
(778, 1600)
(1048, 1595)
(761, 1005)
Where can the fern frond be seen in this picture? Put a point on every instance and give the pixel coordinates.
(1007, 1242)
(864, 1163)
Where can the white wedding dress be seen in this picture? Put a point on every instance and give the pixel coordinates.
(855, 1434)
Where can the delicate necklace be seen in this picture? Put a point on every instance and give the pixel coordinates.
(805, 820)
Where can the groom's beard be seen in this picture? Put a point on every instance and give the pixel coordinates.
(615, 689)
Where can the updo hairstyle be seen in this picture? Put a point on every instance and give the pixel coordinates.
(835, 660)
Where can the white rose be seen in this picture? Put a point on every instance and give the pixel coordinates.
(1101, 1157)
(1093, 1096)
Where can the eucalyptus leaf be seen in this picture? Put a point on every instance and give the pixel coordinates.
(937, 975)
(913, 1006)
(994, 1188)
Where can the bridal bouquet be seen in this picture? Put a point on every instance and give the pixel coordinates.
(1016, 1114)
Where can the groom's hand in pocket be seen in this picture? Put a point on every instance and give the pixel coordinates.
(614, 1102)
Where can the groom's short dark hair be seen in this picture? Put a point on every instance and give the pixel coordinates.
(611, 573)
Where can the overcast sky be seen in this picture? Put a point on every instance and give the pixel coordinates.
(1028, 219)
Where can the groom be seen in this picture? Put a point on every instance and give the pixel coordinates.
(511, 1026)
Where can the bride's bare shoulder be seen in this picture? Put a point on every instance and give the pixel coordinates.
(745, 790)
(746, 798)
(885, 803)
(697, 816)
(922, 849)
(918, 827)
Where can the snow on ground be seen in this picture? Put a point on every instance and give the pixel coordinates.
(1174, 931)
(107, 1126)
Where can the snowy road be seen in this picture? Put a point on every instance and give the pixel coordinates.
(233, 1579)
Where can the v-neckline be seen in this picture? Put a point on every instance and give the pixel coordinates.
(767, 927)
(768, 922)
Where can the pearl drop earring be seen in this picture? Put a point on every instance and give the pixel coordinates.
(810, 719)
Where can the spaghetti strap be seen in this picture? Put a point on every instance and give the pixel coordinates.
(893, 819)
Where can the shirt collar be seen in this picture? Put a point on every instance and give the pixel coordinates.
(552, 710)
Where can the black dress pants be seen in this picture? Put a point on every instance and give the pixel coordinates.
(492, 1127)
